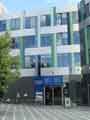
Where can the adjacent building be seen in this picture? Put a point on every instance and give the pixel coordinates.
(48, 44)
(84, 20)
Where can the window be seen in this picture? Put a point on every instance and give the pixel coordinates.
(46, 40)
(62, 39)
(46, 61)
(15, 43)
(27, 61)
(29, 22)
(64, 18)
(30, 42)
(15, 24)
(64, 60)
(58, 19)
(75, 17)
(76, 37)
(87, 10)
(45, 20)
(61, 18)
(2, 25)
(77, 59)
(30, 61)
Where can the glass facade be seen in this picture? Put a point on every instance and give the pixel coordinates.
(58, 19)
(46, 61)
(29, 22)
(2, 25)
(30, 61)
(30, 42)
(15, 24)
(76, 37)
(45, 20)
(87, 10)
(64, 60)
(77, 59)
(75, 17)
(61, 18)
(62, 39)
(46, 40)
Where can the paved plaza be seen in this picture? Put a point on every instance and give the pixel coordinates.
(30, 112)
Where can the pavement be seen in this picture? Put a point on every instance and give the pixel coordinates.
(40, 112)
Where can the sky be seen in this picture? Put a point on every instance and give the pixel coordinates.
(19, 5)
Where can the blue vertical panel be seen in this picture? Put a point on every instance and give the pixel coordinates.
(38, 84)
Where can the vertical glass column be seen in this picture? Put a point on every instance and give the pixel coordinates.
(37, 29)
(70, 32)
(86, 44)
(22, 44)
(54, 51)
(54, 46)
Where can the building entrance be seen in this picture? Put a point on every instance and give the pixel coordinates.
(53, 95)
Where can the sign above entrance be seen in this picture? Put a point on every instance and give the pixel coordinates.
(49, 80)
(53, 80)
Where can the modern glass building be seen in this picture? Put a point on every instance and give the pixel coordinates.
(84, 20)
(48, 43)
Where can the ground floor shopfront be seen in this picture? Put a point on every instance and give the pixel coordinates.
(47, 90)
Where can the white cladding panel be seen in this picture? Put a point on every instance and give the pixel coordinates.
(47, 50)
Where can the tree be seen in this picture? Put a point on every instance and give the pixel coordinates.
(9, 65)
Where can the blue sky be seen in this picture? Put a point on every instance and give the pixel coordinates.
(18, 5)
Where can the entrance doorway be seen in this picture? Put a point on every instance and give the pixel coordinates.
(89, 94)
(53, 95)
(48, 96)
(58, 95)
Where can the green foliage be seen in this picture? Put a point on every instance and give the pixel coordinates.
(8, 74)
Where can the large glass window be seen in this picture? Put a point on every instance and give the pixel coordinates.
(46, 61)
(45, 20)
(77, 59)
(29, 22)
(64, 60)
(2, 25)
(61, 18)
(15, 24)
(30, 41)
(64, 18)
(87, 9)
(58, 19)
(46, 40)
(62, 39)
(76, 37)
(75, 17)
(30, 61)
(15, 43)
